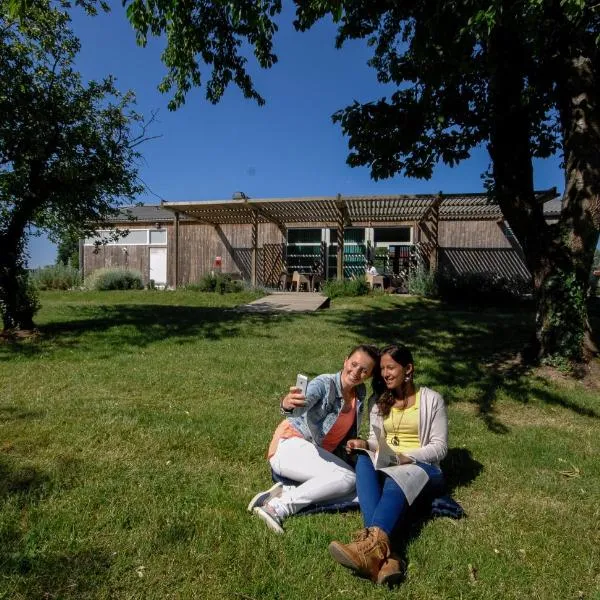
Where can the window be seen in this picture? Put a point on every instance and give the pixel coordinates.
(158, 236)
(304, 236)
(303, 249)
(135, 237)
(392, 235)
(355, 252)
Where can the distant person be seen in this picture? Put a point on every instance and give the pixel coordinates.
(309, 446)
(371, 270)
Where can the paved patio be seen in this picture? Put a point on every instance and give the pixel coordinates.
(287, 302)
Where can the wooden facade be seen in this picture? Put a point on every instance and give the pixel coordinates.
(460, 233)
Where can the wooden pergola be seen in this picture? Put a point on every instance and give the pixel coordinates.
(340, 212)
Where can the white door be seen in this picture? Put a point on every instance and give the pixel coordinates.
(158, 266)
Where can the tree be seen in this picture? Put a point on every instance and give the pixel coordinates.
(67, 251)
(67, 150)
(520, 77)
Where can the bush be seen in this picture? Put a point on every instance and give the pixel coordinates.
(56, 277)
(219, 283)
(481, 289)
(26, 301)
(422, 282)
(114, 279)
(337, 288)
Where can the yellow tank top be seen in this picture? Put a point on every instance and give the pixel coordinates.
(402, 427)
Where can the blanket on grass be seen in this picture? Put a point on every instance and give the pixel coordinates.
(442, 506)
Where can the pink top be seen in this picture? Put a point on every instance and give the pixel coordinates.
(330, 442)
(340, 428)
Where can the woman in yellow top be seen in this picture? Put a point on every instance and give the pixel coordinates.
(415, 425)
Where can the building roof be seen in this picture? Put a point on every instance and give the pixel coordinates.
(146, 213)
(352, 209)
(329, 209)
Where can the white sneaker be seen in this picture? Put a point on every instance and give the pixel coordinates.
(263, 497)
(270, 517)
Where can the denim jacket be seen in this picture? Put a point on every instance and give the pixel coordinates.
(324, 402)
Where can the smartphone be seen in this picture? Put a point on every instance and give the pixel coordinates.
(302, 383)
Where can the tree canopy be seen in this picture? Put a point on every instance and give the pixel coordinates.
(68, 154)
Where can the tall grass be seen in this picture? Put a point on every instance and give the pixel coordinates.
(134, 427)
(56, 277)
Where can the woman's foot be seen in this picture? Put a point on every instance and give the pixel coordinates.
(269, 515)
(263, 497)
(392, 571)
(366, 554)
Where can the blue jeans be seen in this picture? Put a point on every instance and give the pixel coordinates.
(382, 502)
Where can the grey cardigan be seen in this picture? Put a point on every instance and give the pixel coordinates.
(433, 428)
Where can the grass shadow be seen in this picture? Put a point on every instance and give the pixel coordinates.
(139, 325)
(25, 481)
(66, 575)
(12, 413)
(26, 571)
(469, 356)
(460, 468)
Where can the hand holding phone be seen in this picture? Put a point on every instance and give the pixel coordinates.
(295, 398)
(302, 383)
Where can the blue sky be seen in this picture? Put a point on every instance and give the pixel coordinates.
(289, 147)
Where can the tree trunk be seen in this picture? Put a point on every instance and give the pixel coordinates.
(558, 256)
(562, 326)
(579, 224)
(17, 302)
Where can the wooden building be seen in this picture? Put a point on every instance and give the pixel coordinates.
(176, 243)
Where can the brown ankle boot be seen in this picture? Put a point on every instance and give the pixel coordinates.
(391, 571)
(366, 554)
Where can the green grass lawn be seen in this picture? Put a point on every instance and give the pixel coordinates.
(133, 432)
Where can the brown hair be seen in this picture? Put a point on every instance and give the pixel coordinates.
(369, 349)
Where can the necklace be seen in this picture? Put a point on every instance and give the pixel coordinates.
(395, 439)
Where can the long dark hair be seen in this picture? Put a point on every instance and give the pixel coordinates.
(386, 398)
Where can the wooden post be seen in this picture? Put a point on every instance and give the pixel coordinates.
(81, 259)
(341, 217)
(435, 218)
(254, 246)
(176, 248)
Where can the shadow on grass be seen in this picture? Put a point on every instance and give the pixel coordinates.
(12, 413)
(138, 325)
(460, 468)
(469, 356)
(25, 571)
(25, 481)
(64, 575)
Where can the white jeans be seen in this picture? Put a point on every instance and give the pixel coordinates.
(324, 476)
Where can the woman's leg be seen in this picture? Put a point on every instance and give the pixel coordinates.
(390, 508)
(393, 505)
(324, 476)
(368, 487)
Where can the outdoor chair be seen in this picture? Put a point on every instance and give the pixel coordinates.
(317, 282)
(285, 281)
(299, 281)
(375, 281)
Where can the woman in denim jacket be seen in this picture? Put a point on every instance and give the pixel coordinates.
(309, 445)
